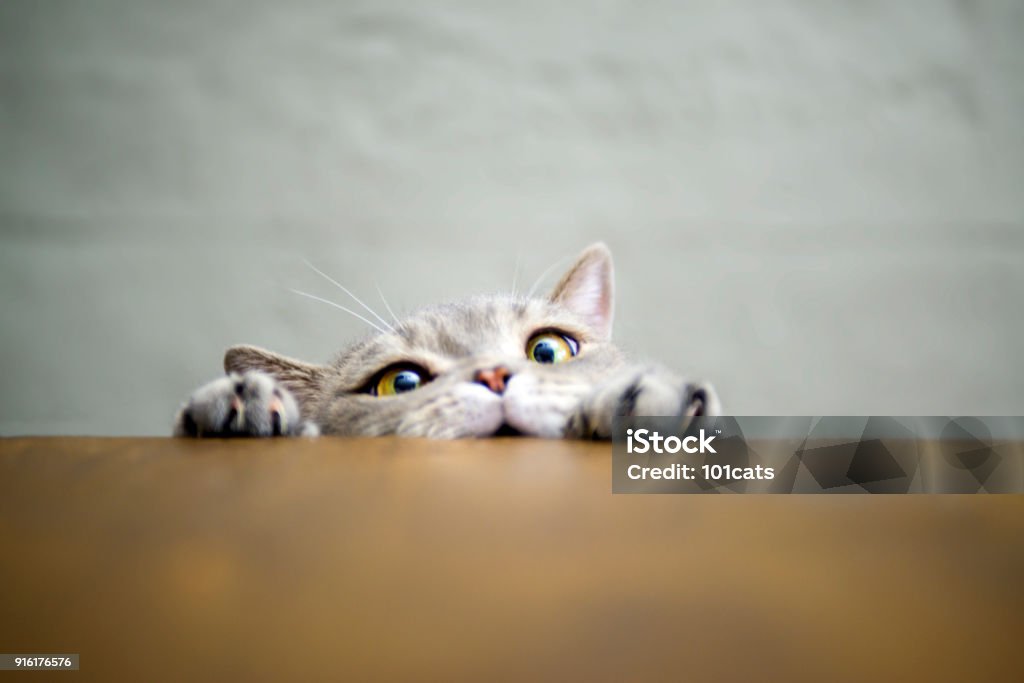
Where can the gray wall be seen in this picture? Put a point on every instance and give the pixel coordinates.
(816, 205)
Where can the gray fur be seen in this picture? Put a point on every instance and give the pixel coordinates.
(249, 404)
(574, 399)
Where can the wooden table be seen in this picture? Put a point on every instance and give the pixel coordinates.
(335, 559)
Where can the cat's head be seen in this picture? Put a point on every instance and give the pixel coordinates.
(487, 365)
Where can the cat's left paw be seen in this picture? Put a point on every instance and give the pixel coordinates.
(248, 404)
(648, 391)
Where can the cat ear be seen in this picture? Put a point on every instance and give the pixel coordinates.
(304, 380)
(588, 289)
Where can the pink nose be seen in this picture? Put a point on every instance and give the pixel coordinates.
(494, 378)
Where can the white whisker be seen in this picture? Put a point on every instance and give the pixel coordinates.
(347, 310)
(515, 274)
(547, 271)
(354, 297)
(386, 305)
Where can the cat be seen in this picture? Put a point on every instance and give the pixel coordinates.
(487, 366)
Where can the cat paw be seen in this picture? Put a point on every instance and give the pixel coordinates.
(249, 404)
(641, 391)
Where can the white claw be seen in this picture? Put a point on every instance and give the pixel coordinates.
(239, 407)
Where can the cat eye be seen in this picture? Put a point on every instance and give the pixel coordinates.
(551, 347)
(398, 380)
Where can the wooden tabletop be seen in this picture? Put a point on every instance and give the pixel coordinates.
(354, 559)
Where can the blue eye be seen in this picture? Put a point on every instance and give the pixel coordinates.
(545, 351)
(398, 381)
(406, 381)
(551, 347)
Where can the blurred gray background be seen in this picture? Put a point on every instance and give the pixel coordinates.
(818, 206)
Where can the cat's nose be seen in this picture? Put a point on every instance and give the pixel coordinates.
(493, 378)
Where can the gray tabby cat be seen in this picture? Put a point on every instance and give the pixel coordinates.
(487, 366)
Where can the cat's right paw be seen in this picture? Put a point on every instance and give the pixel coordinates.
(646, 391)
(249, 404)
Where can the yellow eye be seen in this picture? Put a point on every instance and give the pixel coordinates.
(551, 347)
(398, 380)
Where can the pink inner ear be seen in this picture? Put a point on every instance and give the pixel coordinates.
(592, 301)
(588, 291)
